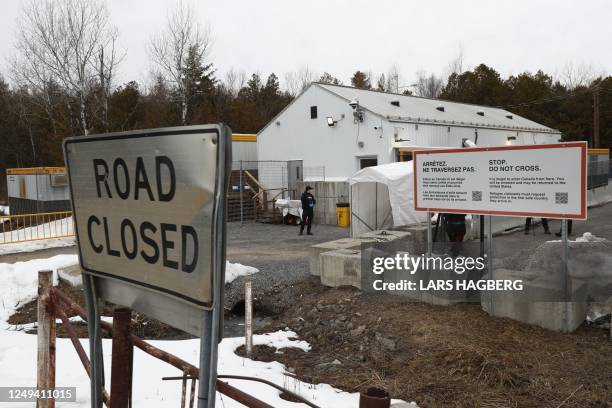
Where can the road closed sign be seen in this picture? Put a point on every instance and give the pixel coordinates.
(147, 208)
(531, 180)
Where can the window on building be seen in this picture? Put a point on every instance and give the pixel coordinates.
(404, 156)
(313, 112)
(367, 162)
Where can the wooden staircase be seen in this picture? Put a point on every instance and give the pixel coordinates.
(263, 201)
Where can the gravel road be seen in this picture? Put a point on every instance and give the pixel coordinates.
(280, 254)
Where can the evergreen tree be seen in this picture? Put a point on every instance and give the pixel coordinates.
(361, 80)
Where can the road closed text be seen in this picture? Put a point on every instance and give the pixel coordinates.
(175, 246)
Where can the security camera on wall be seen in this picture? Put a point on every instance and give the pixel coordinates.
(354, 103)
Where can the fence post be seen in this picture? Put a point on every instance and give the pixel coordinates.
(46, 339)
(122, 359)
(240, 189)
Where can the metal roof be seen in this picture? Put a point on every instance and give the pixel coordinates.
(36, 170)
(425, 110)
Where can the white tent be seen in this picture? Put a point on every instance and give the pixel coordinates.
(382, 198)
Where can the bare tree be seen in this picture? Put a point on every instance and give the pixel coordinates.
(234, 81)
(66, 42)
(428, 86)
(297, 82)
(577, 75)
(393, 79)
(107, 61)
(455, 66)
(170, 50)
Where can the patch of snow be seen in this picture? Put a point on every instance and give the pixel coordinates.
(74, 280)
(19, 281)
(31, 246)
(586, 237)
(56, 228)
(18, 284)
(235, 270)
(18, 352)
(33, 325)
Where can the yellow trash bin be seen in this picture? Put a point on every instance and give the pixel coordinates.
(344, 215)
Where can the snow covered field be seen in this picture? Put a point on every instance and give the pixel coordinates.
(18, 285)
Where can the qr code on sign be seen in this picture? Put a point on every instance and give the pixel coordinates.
(476, 195)
(560, 198)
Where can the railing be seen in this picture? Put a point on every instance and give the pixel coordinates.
(264, 205)
(34, 227)
(53, 303)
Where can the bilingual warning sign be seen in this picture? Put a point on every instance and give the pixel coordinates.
(145, 206)
(532, 180)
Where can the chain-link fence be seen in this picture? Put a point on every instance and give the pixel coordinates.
(314, 173)
(256, 185)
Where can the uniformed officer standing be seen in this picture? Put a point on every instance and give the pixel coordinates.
(308, 204)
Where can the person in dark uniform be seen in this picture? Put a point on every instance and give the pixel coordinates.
(455, 226)
(308, 204)
(569, 229)
(544, 224)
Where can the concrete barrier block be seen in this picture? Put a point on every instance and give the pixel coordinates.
(317, 250)
(418, 232)
(71, 274)
(341, 267)
(385, 235)
(538, 303)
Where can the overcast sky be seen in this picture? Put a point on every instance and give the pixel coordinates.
(341, 36)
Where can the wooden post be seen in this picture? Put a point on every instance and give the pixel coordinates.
(122, 359)
(248, 317)
(45, 376)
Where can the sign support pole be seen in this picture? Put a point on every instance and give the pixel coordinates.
(95, 341)
(241, 189)
(429, 234)
(490, 261)
(205, 360)
(564, 278)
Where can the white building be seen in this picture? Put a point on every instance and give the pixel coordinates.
(344, 129)
(244, 149)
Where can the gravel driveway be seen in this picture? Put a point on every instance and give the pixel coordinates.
(280, 254)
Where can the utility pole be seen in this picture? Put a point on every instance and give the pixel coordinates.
(596, 117)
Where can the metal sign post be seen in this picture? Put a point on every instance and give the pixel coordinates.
(241, 190)
(490, 259)
(149, 213)
(429, 234)
(564, 277)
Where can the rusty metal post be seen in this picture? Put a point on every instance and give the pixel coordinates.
(374, 398)
(184, 390)
(46, 339)
(122, 359)
(193, 391)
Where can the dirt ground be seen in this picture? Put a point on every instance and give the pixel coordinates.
(441, 356)
(433, 355)
(436, 356)
(142, 326)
